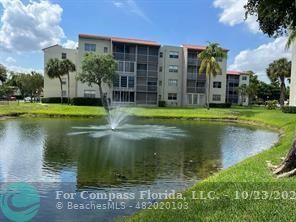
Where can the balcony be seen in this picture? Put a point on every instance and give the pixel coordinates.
(124, 56)
(193, 62)
(196, 90)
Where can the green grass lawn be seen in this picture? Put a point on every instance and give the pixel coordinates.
(251, 174)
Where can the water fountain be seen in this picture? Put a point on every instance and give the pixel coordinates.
(119, 127)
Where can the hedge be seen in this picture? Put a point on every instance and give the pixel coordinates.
(54, 100)
(220, 105)
(161, 103)
(77, 101)
(83, 101)
(289, 109)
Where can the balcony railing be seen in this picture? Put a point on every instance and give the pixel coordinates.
(196, 76)
(196, 90)
(124, 56)
(193, 61)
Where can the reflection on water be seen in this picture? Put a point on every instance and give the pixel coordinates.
(154, 154)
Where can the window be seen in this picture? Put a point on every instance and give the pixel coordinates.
(152, 85)
(131, 82)
(142, 67)
(216, 97)
(129, 67)
(174, 55)
(160, 83)
(64, 55)
(173, 82)
(173, 68)
(90, 93)
(217, 85)
(244, 78)
(64, 93)
(120, 66)
(89, 47)
(160, 68)
(172, 96)
(116, 81)
(123, 80)
(64, 81)
(105, 49)
(161, 54)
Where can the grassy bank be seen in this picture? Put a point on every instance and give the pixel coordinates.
(249, 175)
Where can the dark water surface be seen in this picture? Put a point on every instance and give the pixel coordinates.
(41, 152)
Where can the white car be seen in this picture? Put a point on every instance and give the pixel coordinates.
(27, 99)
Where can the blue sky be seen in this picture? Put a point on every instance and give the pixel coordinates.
(27, 26)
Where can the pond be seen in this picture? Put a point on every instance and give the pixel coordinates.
(54, 156)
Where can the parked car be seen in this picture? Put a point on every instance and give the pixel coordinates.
(27, 99)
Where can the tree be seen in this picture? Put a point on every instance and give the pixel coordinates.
(3, 74)
(210, 65)
(278, 71)
(252, 89)
(54, 70)
(274, 17)
(66, 67)
(98, 69)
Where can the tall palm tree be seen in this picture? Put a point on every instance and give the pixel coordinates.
(66, 67)
(3, 73)
(54, 70)
(210, 65)
(291, 39)
(278, 71)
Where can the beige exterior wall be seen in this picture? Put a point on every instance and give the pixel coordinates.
(244, 79)
(52, 86)
(100, 44)
(166, 77)
(219, 78)
(293, 78)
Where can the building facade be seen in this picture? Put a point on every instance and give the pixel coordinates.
(234, 81)
(147, 73)
(292, 100)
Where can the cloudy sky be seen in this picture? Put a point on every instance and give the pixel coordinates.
(27, 26)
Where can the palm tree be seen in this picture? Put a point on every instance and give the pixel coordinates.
(291, 39)
(66, 67)
(278, 71)
(54, 70)
(3, 73)
(210, 65)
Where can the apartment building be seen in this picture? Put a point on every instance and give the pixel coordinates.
(148, 72)
(292, 101)
(234, 81)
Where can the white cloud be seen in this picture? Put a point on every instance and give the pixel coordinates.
(132, 7)
(70, 44)
(10, 60)
(118, 4)
(259, 58)
(30, 27)
(233, 13)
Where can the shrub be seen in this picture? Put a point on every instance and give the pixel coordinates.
(161, 103)
(220, 105)
(83, 101)
(271, 104)
(54, 100)
(289, 109)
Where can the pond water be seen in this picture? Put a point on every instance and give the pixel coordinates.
(54, 156)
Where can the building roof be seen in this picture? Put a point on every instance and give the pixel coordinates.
(120, 39)
(198, 47)
(50, 46)
(234, 72)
